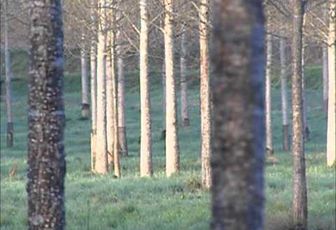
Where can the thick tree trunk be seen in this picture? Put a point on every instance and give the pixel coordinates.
(331, 135)
(172, 145)
(146, 168)
(284, 97)
(101, 163)
(205, 94)
(299, 168)
(184, 81)
(325, 78)
(268, 96)
(46, 157)
(8, 82)
(238, 157)
(85, 82)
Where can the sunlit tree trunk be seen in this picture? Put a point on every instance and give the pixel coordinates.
(146, 168)
(205, 94)
(8, 82)
(101, 163)
(46, 121)
(85, 81)
(184, 80)
(284, 97)
(325, 78)
(238, 156)
(299, 168)
(268, 96)
(172, 145)
(331, 135)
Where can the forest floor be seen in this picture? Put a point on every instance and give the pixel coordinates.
(102, 202)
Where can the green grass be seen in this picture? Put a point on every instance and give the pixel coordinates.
(101, 202)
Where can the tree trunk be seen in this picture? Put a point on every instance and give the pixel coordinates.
(101, 163)
(299, 168)
(46, 157)
(146, 168)
(8, 82)
(284, 97)
(331, 135)
(268, 96)
(325, 78)
(93, 68)
(205, 94)
(238, 157)
(85, 82)
(172, 145)
(163, 76)
(184, 81)
(306, 130)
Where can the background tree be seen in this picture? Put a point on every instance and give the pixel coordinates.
(85, 80)
(183, 78)
(238, 158)
(46, 158)
(268, 96)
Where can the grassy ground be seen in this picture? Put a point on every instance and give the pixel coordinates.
(101, 202)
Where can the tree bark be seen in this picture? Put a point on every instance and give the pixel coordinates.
(299, 168)
(325, 78)
(46, 157)
(146, 168)
(284, 97)
(268, 96)
(172, 144)
(331, 135)
(205, 94)
(238, 157)
(85, 82)
(183, 80)
(8, 82)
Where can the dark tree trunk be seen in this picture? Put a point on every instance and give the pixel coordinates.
(46, 157)
(239, 150)
(299, 168)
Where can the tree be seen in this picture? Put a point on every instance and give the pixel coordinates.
(299, 167)
(172, 145)
(331, 135)
(46, 157)
(205, 94)
(84, 80)
(268, 96)
(325, 78)
(238, 157)
(146, 168)
(8, 82)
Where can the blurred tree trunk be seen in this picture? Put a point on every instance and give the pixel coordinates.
(238, 157)
(172, 144)
(284, 97)
(101, 163)
(331, 135)
(306, 130)
(268, 96)
(325, 78)
(205, 94)
(46, 157)
(184, 81)
(85, 81)
(163, 76)
(8, 82)
(299, 167)
(146, 168)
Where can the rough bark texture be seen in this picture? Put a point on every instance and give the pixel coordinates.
(299, 168)
(183, 80)
(325, 78)
(46, 157)
(172, 145)
(284, 97)
(268, 96)
(84, 81)
(205, 101)
(238, 157)
(146, 168)
(101, 164)
(8, 83)
(331, 136)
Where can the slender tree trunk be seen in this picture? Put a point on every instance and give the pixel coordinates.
(101, 163)
(284, 97)
(8, 83)
(163, 76)
(85, 81)
(331, 135)
(205, 94)
(93, 68)
(172, 144)
(46, 157)
(268, 96)
(238, 157)
(306, 130)
(184, 81)
(299, 168)
(325, 78)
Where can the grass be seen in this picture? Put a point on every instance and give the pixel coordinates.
(101, 202)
